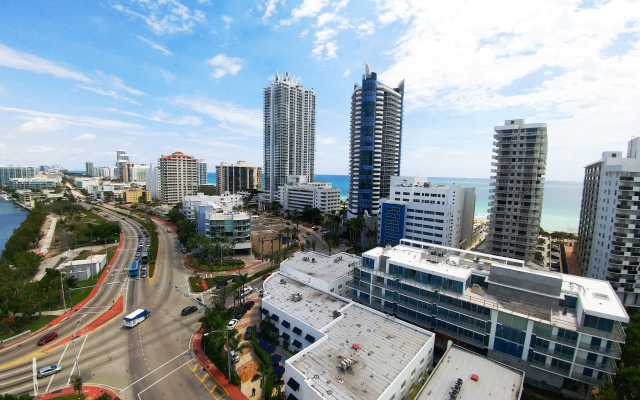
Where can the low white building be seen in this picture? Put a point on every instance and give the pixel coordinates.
(84, 269)
(37, 183)
(298, 193)
(328, 273)
(383, 356)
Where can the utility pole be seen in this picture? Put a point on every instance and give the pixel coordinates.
(73, 340)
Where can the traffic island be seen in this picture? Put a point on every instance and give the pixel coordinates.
(90, 391)
(212, 370)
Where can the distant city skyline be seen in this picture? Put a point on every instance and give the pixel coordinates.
(79, 81)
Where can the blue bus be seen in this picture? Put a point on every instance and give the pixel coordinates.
(133, 269)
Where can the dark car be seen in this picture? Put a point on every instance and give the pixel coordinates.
(241, 313)
(221, 284)
(247, 333)
(249, 304)
(554, 257)
(189, 310)
(47, 338)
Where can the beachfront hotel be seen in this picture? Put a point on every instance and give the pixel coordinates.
(608, 237)
(430, 213)
(375, 143)
(562, 330)
(515, 202)
(289, 132)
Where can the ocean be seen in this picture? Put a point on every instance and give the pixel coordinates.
(11, 216)
(560, 207)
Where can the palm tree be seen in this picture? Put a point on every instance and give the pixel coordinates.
(280, 236)
(243, 279)
(104, 396)
(313, 245)
(330, 245)
(223, 295)
(264, 373)
(77, 384)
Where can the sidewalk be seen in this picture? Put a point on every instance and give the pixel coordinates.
(90, 391)
(215, 373)
(45, 243)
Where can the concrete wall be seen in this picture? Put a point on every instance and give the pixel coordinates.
(529, 371)
(544, 284)
(468, 213)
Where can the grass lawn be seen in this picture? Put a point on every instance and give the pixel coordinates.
(195, 288)
(32, 325)
(72, 397)
(40, 322)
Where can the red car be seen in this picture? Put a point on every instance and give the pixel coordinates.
(265, 276)
(47, 338)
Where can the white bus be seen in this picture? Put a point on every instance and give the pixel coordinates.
(136, 317)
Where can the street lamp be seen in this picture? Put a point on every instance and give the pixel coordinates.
(73, 340)
(228, 350)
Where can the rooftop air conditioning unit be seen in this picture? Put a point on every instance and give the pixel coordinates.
(346, 364)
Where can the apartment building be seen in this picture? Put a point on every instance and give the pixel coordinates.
(375, 142)
(153, 182)
(35, 183)
(178, 177)
(289, 132)
(515, 201)
(8, 172)
(427, 212)
(121, 169)
(608, 237)
(345, 350)
(137, 173)
(553, 326)
(238, 177)
(137, 195)
(202, 171)
(298, 193)
(88, 167)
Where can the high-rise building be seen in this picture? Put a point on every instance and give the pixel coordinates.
(427, 212)
(88, 166)
(8, 172)
(376, 138)
(298, 194)
(289, 132)
(178, 177)
(238, 177)
(202, 171)
(515, 202)
(608, 238)
(153, 181)
(121, 158)
(138, 172)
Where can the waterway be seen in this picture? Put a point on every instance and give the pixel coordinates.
(11, 216)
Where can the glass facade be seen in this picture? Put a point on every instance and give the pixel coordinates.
(367, 138)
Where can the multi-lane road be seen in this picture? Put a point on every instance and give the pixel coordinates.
(154, 360)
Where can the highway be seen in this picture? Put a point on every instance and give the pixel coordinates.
(151, 361)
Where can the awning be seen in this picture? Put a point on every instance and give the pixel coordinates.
(285, 323)
(297, 344)
(293, 384)
(297, 330)
(310, 338)
(275, 329)
(265, 311)
(275, 317)
(291, 397)
(285, 336)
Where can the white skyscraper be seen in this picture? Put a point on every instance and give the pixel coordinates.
(153, 181)
(202, 171)
(608, 238)
(121, 158)
(289, 132)
(376, 138)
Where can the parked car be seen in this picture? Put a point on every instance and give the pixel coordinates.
(235, 357)
(47, 338)
(221, 284)
(168, 230)
(189, 310)
(265, 276)
(232, 324)
(143, 274)
(308, 241)
(241, 313)
(554, 257)
(247, 333)
(249, 304)
(48, 370)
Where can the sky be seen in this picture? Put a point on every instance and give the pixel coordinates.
(79, 80)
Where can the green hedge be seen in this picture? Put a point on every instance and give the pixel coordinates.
(263, 271)
(265, 359)
(196, 289)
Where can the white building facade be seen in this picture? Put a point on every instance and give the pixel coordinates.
(608, 238)
(298, 193)
(289, 132)
(153, 182)
(202, 171)
(427, 212)
(178, 177)
(122, 159)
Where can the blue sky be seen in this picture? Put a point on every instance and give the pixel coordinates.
(79, 80)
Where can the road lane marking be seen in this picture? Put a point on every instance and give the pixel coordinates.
(24, 369)
(74, 364)
(59, 363)
(159, 379)
(35, 378)
(204, 384)
(155, 370)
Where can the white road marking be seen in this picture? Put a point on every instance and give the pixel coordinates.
(155, 370)
(161, 378)
(59, 361)
(74, 364)
(24, 369)
(35, 377)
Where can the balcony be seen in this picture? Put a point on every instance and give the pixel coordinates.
(614, 351)
(549, 367)
(553, 353)
(609, 366)
(462, 324)
(464, 338)
(556, 338)
(617, 334)
(591, 380)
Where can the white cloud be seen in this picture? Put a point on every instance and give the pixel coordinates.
(309, 8)
(346, 73)
(269, 9)
(226, 65)
(303, 33)
(14, 59)
(156, 46)
(110, 93)
(248, 121)
(327, 141)
(164, 16)
(117, 83)
(75, 120)
(42, 125)
(322, 45)
(161, 116)
(166, 75)
(85, 137)
(227, 19)
(366, 28)
(192, 134)
(271, 78)
(205, 2)
(38, 149)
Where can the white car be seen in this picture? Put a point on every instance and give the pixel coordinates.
(48, 370)
(232, 324)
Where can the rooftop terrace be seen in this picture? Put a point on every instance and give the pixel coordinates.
(321, 266)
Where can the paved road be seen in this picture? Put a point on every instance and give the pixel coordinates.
(151, 361)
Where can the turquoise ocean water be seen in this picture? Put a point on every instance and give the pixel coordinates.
(560, 208)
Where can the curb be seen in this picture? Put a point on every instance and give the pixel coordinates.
(90, 391)
(213, 371)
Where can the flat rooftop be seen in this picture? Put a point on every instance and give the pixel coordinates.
(496, 381)
(315, 309)
(321, 266)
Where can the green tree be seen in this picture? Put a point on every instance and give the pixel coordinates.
(264, 373)
(77, 384)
